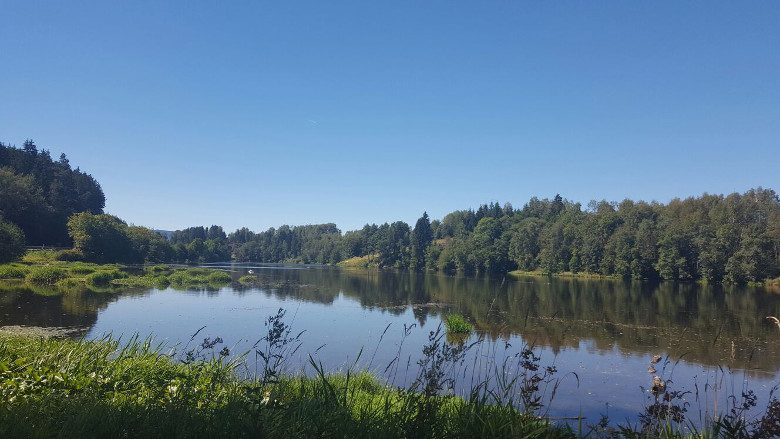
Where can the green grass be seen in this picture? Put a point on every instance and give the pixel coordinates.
(93, 389)
(64, 388)
(564, 274)
(248, 279)
(45, 275)
(219, 277)
(104, 277)
(13, 271)
(457, 324)
(40, 271)
(40, 256)
(369, 261)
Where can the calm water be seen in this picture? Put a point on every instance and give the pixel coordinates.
(599, 334)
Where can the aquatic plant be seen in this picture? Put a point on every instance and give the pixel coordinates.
(104, 277)
(13, 271)
(45, 275)
(457, 324)
(248, 279)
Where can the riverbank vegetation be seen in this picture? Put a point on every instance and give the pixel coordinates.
(40, 270)
(63, 388)
(66, 388)
(731, 238)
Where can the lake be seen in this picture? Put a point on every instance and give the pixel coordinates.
(599, 335)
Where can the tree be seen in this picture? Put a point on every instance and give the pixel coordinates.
(101, 238)
(421, 238)
(51, 191)
(149, 246)
(11, 242)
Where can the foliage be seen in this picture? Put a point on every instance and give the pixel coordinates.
(367, 261)
(13, 271)
(45, 275)
(38, 194)
(107, 239)
(11, 242)
(733, 238)
(104, 277)
(457, 324)
(58, 277)
(104, 389)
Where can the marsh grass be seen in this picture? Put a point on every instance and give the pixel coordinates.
(45, 275)
(65, 388)
(13, 271)
(457, 324)
(248, 279)
(40, 271)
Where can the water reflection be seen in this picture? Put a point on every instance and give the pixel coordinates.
(703, 324)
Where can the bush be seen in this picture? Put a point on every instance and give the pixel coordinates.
(11, 242)
(11, 271)
(45, 275)
(102, 278)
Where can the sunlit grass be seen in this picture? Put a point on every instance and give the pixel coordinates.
(457, 324)
(40, 271)
(80, 389)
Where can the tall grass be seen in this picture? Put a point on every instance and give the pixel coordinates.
(67, 388)
(457, 324)
(13, 271)
(45, 275)
(63, 388)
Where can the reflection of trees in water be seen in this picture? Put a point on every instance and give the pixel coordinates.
(77, 308)
(704, 324)
(708, 325)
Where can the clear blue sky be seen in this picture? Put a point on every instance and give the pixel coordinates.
(264, 113)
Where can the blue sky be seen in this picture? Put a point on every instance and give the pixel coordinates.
(265, 113)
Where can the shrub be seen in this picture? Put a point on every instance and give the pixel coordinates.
(45, 275)
(10, 271)
(11, 242)
(101, 278)
(457, 324)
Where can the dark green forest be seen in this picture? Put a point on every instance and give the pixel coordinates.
(716, 238)
(39, 194)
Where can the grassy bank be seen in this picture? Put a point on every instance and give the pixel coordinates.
(565, 274)
(64, 388)
(40, 271)
(369, 261)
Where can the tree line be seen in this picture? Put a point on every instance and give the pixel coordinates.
(716, 238)
(733, 238)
